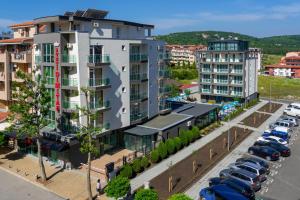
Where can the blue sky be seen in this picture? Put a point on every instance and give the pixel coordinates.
(254, 17)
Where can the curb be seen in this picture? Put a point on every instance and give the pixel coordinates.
(31, 182)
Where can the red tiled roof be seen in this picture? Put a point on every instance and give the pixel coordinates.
(22, 24)
(3, 116)
(187, 86)
(283, 66)
(16, 40)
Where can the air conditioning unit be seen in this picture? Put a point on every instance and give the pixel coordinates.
(95, 24)
(189, 123)
(69, 45)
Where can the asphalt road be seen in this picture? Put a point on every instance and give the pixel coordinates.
(14, 188)
(285, 182)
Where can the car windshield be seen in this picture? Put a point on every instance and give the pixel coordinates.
(262, 171)
(281, 140)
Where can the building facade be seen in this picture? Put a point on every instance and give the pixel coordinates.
(118, 60)
(183, 54)
(289, 66)
(228, 70)
(15, 54)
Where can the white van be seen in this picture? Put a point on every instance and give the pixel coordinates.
(293, 110)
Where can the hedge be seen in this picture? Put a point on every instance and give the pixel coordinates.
(183, 137)
(170, 146)
(144, 163)
(162, 150)
(180, 196)
(117, 187)
(178, 143)
(146, 194)
(154, 156)
(126, 171)
(136, 166)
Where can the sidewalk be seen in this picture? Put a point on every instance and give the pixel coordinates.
(164, 165)
(193, 191)
(67, 184)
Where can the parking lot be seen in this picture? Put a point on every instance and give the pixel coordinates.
(284, 179)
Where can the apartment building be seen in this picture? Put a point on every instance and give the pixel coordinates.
(180, 54)
(119, 60)
(15, 54)
(289, 66)
(228, 69)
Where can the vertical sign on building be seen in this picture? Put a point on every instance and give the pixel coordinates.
(57, 78)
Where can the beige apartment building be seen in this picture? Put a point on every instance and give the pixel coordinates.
(15, 54)
(180, 54)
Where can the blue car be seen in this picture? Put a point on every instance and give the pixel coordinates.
(284, 135)
(221, 191)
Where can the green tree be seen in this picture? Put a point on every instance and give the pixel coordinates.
(146, 194)
(162, 150)
(126, 171)
(180, 196)
(85, 134)
(30, 109)
(118, 187)
(136, 166)
(145, 162)
(154, 156)
(170, 146)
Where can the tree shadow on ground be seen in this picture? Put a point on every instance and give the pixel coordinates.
(13, 156)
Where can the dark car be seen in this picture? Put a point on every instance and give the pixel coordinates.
(268, 153)
(221, 191)
(283, 150)
(235, 184)
(255, 160)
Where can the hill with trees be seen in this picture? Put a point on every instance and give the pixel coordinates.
(276, 45)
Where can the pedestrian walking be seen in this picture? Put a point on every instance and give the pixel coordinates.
(98, 187)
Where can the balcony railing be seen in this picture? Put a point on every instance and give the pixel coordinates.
(235, 82)
(207, 70)
(71, 82)
(234, 93)
(138, 116)
(138, 96)
(70, 104)
(99, 82)
(221, 81)
(104, 126)
(37, 59)
(206, 90)
(68, 58)
(99, 105)
(222, 70)
(22, 57)
(237, 71)
(205, 80)
(222, 92)
(138, 77)
(99, 58)
(138, 57)
(49, 80)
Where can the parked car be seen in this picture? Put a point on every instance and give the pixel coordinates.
(268, 153)
(221, 191)
(283, 150)
(255, 160)
(293, 120)
(272, 139)
(281, 123)
(251, 167)
(282, 132)
(242, 175)
(292, 110)
(235, 184)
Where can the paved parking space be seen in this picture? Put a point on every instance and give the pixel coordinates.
(284, 180)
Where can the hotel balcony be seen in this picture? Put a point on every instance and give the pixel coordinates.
(99, 82)
(139, 77)
(103, 127)
(236, 82)
(98, 60)
(22, 57)
(235, 93)
(138, 97)
(100, 105)
(205, 90)
(69, 82)
(3, 57)
(220, 71)
(220, 81)
(134, 117)
(206, 70)
(70, 59)
(237, 71)
(205, 80)
(70, 105)
(138, 58)
(221, 92)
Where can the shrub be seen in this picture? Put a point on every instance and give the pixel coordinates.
(180, 196)
(117, 187)
(126, 171)
(154, 156)
(189, 135)
(170, 146)
(178, 144)
(144, 162)
(146, 194)
(136, 166)
(183, 137)
(162, 150)
(196, 132)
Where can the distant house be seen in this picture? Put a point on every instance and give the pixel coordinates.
(193, 88)
(289, 66)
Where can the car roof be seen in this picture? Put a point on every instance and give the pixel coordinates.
(281, 128)
(283, 121)
(246, 173)
(227, 192)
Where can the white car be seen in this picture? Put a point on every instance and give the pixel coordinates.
(273, 139)
(293, 110)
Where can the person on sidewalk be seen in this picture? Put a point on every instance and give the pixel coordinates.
(98, 187)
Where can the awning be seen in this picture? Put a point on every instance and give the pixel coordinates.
(141, 131)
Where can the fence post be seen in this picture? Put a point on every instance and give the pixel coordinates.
(170, 184)
(194, 166)
(224, 143)
(235, 135)
(210, 153)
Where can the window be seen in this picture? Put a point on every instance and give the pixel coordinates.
(123, 48)
(118, 31)
(123, 89)
(123, 69)
(123, 110)
(48, 52)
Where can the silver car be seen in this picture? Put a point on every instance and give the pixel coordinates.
(251, 167)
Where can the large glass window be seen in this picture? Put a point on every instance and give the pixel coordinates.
(48, 52)
(49, 75)
(51, 93)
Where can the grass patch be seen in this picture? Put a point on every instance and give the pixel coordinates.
(269, 59)
(281, 88)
